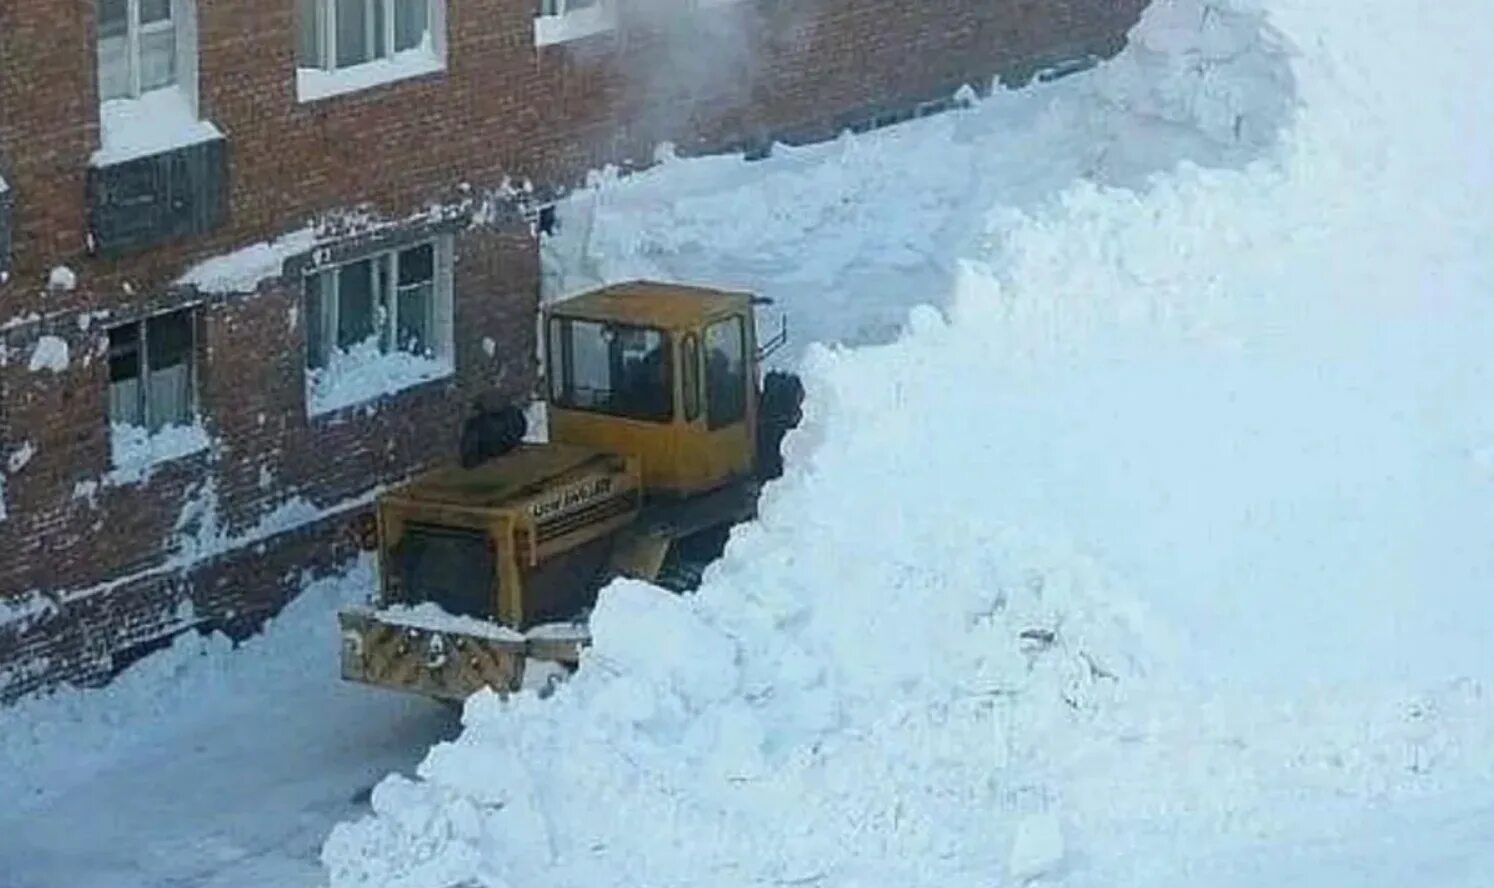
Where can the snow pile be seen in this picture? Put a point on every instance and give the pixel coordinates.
(135, 450)
(242, 270)
(62, 278)
(433, 618)
(1165, 544)
(49, 353)
(365, 372)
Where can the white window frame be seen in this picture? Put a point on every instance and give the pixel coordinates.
(328, 79)
(557, 21)
(386, 329)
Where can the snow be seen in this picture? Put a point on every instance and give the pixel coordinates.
(242, 270)
(1038, 848)
(207, 763)
(135, 451)
(20, 457)
(62, 278)
(313, 84)
(49, 353)
(574, 24)
(1131, 537)
(432, 618)
(364, 373)
(158, 121)
(1206, 351)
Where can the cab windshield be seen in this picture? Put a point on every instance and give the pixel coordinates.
(617, 369)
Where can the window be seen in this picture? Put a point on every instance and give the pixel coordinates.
(147, 80)
(618, 369)
(726, 373)
(137, 49)
(378, 324)
(151, 383)
(344, 45)
(690, 376)
(557, 21)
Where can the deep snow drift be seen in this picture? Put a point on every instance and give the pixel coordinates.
(1160, 560)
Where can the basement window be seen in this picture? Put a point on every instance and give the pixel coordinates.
(378, 325)
(559, 21)
(348, 45)
(152, 391)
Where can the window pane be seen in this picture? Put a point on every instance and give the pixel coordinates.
(309, 33)
(555, 356)
(168, 339)
(157, 59)
(124, 375)
(617, 369)
(155, 11)
(315, 312)
(353, 25)
(416, 319)
(355, 303)
(114, 49)
(726, 373)
(588, 381)
(379, 32)
(169, 397)
(417, 265)
(410, 23)
(114, 69)
(114, 18)
(690, 377)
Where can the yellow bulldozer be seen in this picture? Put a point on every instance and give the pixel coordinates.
(662, 429)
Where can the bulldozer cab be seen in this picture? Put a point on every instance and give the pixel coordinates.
(665, 372)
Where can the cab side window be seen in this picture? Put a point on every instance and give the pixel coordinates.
(726, 373)
(690, 376)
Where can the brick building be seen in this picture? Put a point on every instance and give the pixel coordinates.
(258, 259)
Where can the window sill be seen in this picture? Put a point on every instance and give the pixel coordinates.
(136, 452)
(552, 29)
(359, 380)
(313, 84)
(161, 120)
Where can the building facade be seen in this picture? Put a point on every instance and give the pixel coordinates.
(258, 260)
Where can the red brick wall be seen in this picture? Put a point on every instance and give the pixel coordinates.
(501, 110)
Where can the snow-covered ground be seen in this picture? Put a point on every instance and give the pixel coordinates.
(204, 765)
(1152, 554)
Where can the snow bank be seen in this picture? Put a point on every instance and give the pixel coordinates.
(1165, 540)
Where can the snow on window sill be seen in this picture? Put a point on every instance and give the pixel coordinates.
(314, 83)
(551, 29)
(159, 121)
(363, 373)
(135, 451)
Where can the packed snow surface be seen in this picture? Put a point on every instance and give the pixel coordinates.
(1153, 553)
(206, 764)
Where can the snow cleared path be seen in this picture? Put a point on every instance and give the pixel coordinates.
(204, 765)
